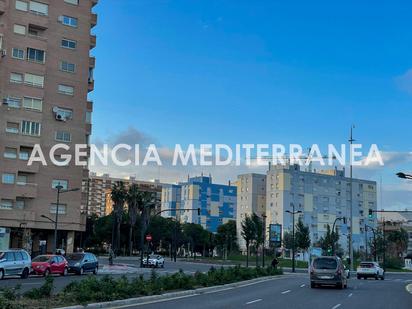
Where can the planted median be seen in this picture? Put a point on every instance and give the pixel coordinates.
(94, 289)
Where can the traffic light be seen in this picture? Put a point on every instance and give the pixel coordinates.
(198, 211)
(370, 213)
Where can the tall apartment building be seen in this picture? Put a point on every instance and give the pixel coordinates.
(321, 197)
(98, 192)
(251, 198)
(46, 74)
(217, 202)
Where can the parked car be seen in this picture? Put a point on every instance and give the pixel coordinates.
(50, 264)
(154, 261)
(328, 270)
(83, 262)
(370, 270)
(15, 263)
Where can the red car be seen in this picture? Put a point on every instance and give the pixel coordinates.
(50, 264)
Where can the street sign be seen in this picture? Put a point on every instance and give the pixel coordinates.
(149, 237)
(275, 233)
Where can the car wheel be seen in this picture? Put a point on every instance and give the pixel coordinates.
(1, 274)
(25, 274)
(339, 286)
(359, 277)
(312, 285)
(383, 276)
(81, 271)
(96, 270)
(65, 272)
(376, 277)
(46, 273)
(163, 265)
(157, 265)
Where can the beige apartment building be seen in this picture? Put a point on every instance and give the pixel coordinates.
(46, 73)
(98, 192)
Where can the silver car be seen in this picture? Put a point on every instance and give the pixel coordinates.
(328, 270)
(15, 263)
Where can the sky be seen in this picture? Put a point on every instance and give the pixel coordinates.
(256, 72)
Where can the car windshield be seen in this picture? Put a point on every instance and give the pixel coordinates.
(41, 258)
(367, 265)
(325, 264)
(74, 257)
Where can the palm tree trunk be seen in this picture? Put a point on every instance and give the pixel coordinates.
(257, 254)
(247, 255)
(130, 239)
(142, 233)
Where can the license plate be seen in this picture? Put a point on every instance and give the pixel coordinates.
(325, 277)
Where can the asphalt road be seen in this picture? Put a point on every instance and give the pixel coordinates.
(60, 282)
(294, 292)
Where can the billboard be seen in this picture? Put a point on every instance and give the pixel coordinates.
(275, 233)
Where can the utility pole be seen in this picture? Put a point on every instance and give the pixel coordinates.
(264, 239)
(293, 213)
(351, 140)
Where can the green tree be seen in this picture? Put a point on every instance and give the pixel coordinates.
(132, 207)
(302, 236)
(329, 242)
(226, 237)
(118, 196)
(397, 242)
(249, 234)
(197, 236)
(258, 234)
(288, 240)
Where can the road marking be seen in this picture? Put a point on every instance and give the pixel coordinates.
(409, 288)
(286, 292)
(302, 286)
(155, 301)
(337, 306)
(350, 295)
(227, 289)
(254, 301)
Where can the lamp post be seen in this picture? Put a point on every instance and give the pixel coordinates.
(351, 140)
(293, 213)
(60, 190)
(333, 231)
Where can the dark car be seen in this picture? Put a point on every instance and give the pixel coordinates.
(328, 270)
(81, 263)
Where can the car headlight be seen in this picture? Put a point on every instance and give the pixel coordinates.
(77, 264)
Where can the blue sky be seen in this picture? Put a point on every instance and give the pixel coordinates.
(255, 72)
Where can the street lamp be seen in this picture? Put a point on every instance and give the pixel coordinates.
(264, 238)
(293, 213)
(60, 190)
(333, 231)
(404, 176)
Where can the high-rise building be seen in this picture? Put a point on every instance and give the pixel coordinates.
(217, 202)
(46, 73)
(321, 197)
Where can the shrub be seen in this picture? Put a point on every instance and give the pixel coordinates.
(45, 291)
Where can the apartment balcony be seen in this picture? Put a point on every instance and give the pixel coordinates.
(27, 190)
(2, 7)
(89, 106)
(93, 40)
(21, 166)
(93, 20)
(92, 62)
(88, 128)
(91, 85)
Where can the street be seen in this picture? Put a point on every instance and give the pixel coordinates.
(293, 291)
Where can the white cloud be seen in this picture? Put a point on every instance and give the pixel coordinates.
(404, 81)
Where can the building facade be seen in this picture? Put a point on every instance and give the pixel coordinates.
(98, 192)
(321, 197)
(217, 202)
(46, 73)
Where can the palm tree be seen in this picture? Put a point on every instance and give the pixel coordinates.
(249, 234)
(133, 196)
(118, 196)
(258, 234)
(145, 201)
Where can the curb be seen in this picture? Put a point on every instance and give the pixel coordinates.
(166, 296)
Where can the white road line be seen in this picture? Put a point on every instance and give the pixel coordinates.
(156, 301)
(222, 290)
(302, 286)
(350, 295)
(337, 306)
(286, 292)
(254, 301)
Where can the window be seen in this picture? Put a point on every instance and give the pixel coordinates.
(21, 5)
(10, 153)
(64, 89)
(88, 117)
(66, 43)
(8, 178)
(12, 127)
(33, 103)
(36, 55)
(39, 8)
(63, 183)
(17, 53)
(30, 128)
(75, 2)
(20, 203)
(67, 67)
(16, 78)
(25, 153)
(22, 180)
(12, 102)
(62, 136)
(34, 80)
(68, 21)
(62, 209)
(6, 204)
(19, 29)
(63, 113)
